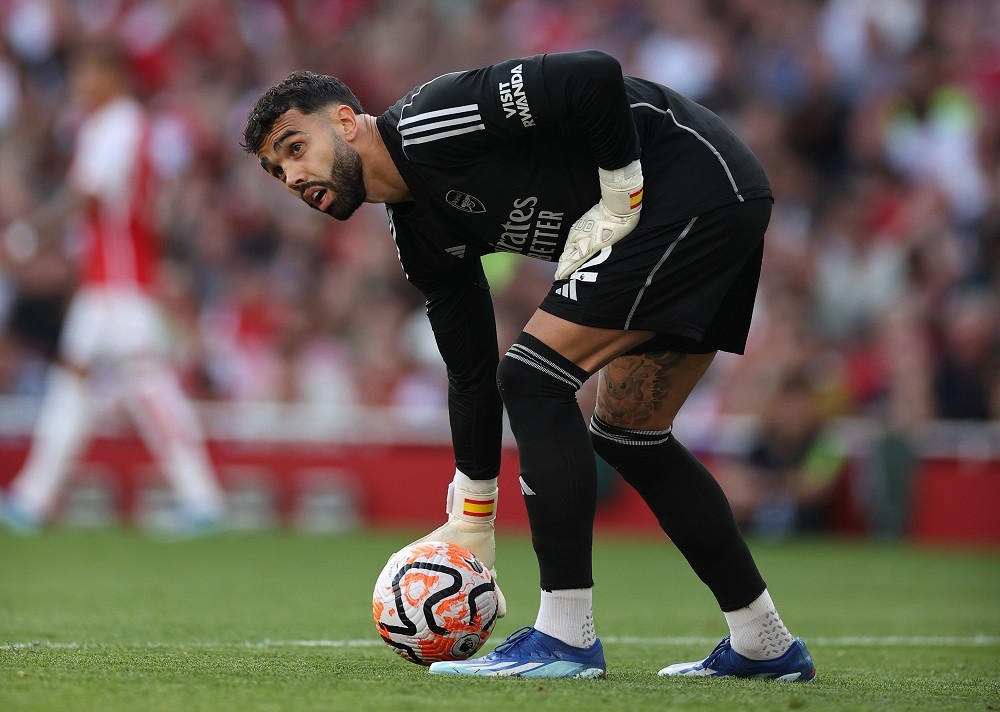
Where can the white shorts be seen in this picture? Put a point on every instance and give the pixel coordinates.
(111, 323)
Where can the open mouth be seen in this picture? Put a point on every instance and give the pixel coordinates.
(319, 198)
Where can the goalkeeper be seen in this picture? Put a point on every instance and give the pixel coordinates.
(655, 212)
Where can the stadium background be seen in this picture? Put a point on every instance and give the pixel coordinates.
(869, 398)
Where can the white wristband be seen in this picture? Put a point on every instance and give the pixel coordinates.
(621, 189)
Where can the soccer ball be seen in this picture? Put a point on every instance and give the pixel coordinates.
(434, 601)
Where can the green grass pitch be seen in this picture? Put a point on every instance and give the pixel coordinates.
(281, 621)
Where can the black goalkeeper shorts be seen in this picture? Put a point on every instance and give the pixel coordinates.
(693, 282)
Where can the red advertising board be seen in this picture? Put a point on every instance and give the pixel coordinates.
(956, 501)
(379, 484)
(340, 486)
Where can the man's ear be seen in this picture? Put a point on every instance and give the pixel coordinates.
(345, 121)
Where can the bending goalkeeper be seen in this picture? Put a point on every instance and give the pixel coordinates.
(655, 212)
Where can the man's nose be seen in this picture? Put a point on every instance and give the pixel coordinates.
(294, 177)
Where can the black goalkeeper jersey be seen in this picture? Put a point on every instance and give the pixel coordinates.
(505, 158)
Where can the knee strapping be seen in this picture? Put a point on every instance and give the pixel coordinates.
(651, 461)
(613, 443)
(532, 370)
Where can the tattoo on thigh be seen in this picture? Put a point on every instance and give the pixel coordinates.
(633, 387)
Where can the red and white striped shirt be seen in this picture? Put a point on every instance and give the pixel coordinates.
(113, 167)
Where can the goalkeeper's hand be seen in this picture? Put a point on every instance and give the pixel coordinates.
(475, 533)
(615, 216)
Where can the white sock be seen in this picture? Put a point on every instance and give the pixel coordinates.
(756, 631)
(59, 432)
(568, 615)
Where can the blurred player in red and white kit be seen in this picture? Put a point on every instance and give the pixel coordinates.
(110, 196)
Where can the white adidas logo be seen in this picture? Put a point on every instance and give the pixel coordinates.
(457, 251)
(568, 290)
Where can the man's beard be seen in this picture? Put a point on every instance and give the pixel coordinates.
(347, 182)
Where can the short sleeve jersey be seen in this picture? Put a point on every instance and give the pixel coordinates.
(112, 167)
(505, 158)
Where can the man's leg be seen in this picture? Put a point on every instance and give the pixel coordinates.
(169, 426)
(638, 399)
(166, 419)
(59, 432)
(538, 379)
(63, 421)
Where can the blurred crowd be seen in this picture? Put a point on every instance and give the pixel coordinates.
(878, 122)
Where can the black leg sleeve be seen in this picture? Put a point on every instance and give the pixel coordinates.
(689, 505)
(558, 470)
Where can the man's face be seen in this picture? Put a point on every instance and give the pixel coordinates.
(92, 83)
(305, 152)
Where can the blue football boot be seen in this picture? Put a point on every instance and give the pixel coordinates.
(530, 653)
(796, 664)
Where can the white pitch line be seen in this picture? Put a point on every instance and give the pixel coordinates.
(246, 644)
(845, 641)
(890, 641)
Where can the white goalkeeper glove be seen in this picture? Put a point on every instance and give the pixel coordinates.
(470, 525)
(615, 216)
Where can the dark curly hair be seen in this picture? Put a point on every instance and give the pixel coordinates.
(306, 91)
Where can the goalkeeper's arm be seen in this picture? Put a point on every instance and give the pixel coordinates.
(589, 90)
(461, 313)
(460, 310)
(615, 216)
